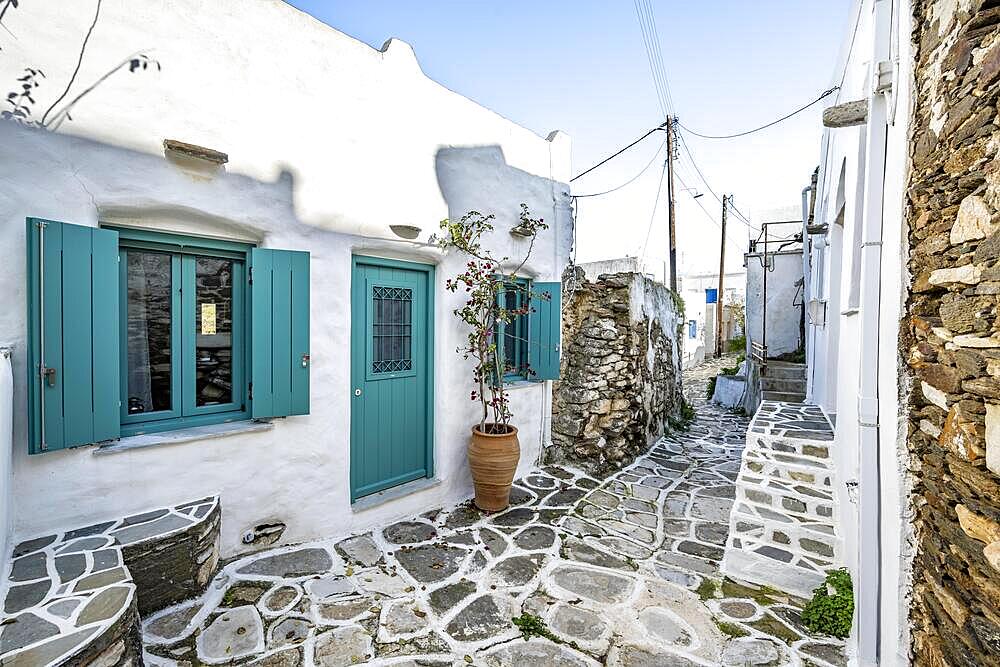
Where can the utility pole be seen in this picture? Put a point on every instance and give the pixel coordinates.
(671, 124)
(722, 273)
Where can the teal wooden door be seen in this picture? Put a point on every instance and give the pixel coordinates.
(392, 369)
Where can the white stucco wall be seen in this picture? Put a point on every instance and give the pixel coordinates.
(784, 300)
(838, 346)
(6, 453)
(693, 288)
(329, 143)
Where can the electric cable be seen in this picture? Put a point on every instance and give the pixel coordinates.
(631, 180)
(657, 85)
(850, 50)
(652, 217)
(742, 218)
(825, 93)
(617, 153)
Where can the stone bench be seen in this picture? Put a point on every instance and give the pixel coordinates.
(76, 597)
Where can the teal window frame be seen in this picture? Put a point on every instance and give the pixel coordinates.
(184, 412)
(519, 356)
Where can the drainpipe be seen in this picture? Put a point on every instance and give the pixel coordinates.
(807, 287)
(869, 575)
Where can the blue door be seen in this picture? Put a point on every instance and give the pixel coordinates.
(392, 374)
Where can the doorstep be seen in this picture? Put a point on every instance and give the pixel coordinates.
(395, 493)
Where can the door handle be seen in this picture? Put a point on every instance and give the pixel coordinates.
(50, 376)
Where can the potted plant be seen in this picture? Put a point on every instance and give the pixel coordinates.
(493, 448)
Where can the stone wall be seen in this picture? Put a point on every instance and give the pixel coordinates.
(951, 339)
(621, 378)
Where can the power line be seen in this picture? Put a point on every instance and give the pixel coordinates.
(710, 218)
(651, 42)
(657, 84)
(742, 218)
(827, 92)
(659, 53)
(850, 49)
(652, 217)
(617, 153)
(631, 180)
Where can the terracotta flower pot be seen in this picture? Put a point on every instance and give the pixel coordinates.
(493, 461)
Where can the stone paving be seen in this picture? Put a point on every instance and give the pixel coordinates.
(621, 572)
(71, 597)
(783, 530)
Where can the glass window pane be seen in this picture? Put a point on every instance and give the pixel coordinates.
(213, 331)
(148, 340)
(391, 329)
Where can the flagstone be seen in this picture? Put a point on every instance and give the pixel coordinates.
(480, 619)
(360, 550)
(298, 563)
(601, 587)
(343, 647)
(237, 633)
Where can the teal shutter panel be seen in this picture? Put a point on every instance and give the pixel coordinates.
(73, 311)
(279, 333)
(544, 328)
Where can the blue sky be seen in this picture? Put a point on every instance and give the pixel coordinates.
(580, 66)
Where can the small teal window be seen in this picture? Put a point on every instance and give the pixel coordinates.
(183, 331)
(514, 298)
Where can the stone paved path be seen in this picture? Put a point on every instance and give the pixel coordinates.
(620, 572)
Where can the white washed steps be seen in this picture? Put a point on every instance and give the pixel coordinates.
(782, 530)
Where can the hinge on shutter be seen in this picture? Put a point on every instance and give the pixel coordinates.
(250, 391)
(250, 274)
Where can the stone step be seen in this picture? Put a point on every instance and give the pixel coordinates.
(777, 369)
(784, 396)
(748, 523)
(786, 385)
(811, 452)
(103, 577)
(779, 550)
(796, 505)
(763, 565)
(811, 475)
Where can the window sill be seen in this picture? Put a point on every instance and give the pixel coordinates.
(181, 435)
(517, 384)
(395, 493)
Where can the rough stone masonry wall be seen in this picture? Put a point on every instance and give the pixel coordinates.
(952, 336)
(620, 379)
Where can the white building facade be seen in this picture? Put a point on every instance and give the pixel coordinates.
(330, 145)
(856, 289)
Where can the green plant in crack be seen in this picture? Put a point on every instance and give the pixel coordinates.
(707, 588)
(731, 629)
(687, 415)
(831, 613)
(710, 389)
(533, 626)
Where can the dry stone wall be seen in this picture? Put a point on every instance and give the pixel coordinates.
(952, 336)
(621, 370)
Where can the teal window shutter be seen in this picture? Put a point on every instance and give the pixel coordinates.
(73, 304)
(544, 328)
(279, 333)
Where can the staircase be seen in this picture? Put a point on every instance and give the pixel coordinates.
(782, 526)
(784, 381)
